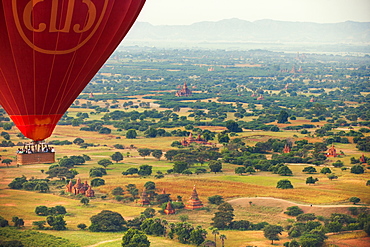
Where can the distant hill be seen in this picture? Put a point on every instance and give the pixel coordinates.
(236, 30)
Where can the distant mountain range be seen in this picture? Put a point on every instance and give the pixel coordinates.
(236, 30)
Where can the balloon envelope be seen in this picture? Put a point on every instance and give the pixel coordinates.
(50, 50)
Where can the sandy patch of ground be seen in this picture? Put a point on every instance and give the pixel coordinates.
(323, 210)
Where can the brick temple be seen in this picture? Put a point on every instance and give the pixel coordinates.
(184, 91)
(286, 149)
(80, 188)
(187, 141)
(332, 152)
(194, 202)
(169, 209)
(144, 200)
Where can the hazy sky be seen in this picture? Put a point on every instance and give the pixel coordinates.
(184, 12)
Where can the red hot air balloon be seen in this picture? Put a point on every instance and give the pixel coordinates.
(50, 50)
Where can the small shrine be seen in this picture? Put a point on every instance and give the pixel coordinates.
(287, 149)
(80, 188)
(293, 70)
(260, 97)
(332, 152)
(362, 159)
(184, 91)
(194, 202)
(144, 200)
(187, 141)
(169, 209)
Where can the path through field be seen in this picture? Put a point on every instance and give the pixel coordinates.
(103, 242)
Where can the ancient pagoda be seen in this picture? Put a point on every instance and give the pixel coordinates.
(286, 149)
(144, 200)
(194, 202)
(184, 91)
(362, 159)
(169, 209)
(332, 152)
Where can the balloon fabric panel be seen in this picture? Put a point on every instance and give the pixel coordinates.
(50, 50)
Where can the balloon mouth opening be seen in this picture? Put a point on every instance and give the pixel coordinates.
(36, 127)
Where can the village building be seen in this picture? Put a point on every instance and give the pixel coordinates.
(194, 202)
(184, 91)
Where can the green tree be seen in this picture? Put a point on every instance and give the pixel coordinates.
(157, 154)
(309, 169)
(41, 210)
(306, 217)
(284, 171)
(39, 224)
(215, 232)
(215, 166)
(105, 162)
(145, 170)
(293, 211)
(223, 138)
(197, 236)
(224, 216)
(284, 184)
(61, 173)
(117, 191)
(107, 221)
(78, 141)
(314, 239)
(117, 156)
(240, 170)
(223, 237)
(135, 238)
(143, 152)
(7, 162)
(85, 201)
(78, 160)
(311, 180)
(332, 176)
(250, 170)
(271, 232)
(233, 126)
(283, 117)
(66, 162)
(357, 169)
(42, 187)
(82, 226)
(130, 171)
(180, 166)
(56, 222)
(325, 170)
(131, 134)
(96, 182)
(216, 199)
(18, 222)
(354, 199)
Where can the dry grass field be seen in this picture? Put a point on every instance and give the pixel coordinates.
(268, 202)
